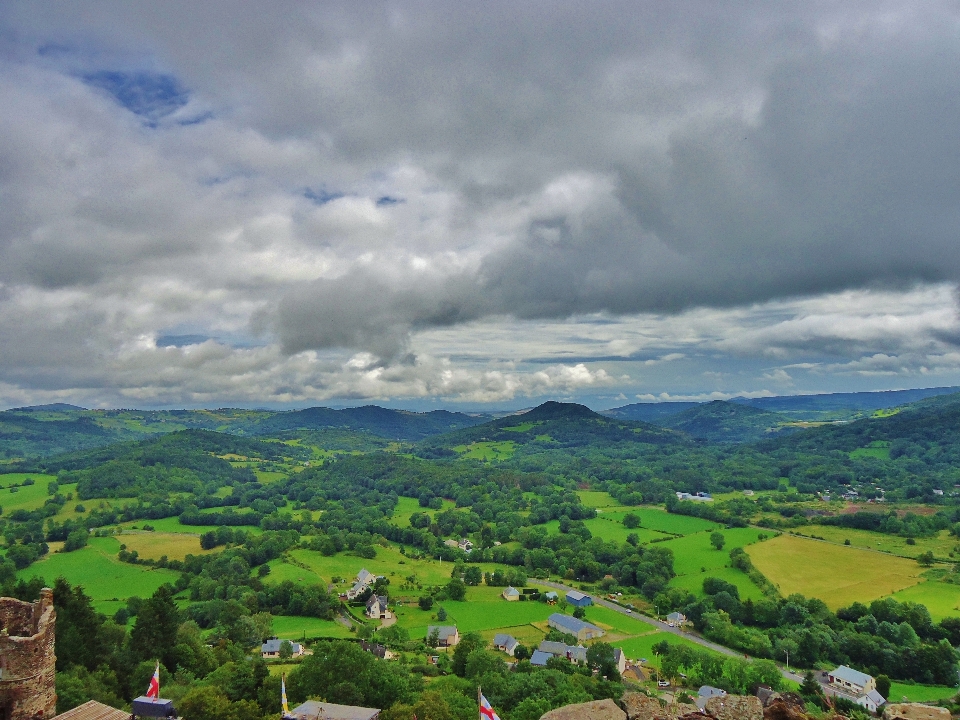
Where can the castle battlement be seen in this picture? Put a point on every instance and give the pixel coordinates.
(27, 659)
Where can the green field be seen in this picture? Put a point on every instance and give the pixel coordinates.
(294, 628)
(488, 450)
(609, 529)
(641, 646)
(836, 574)
(695, 559)
(154, 545)
(879, 449)
(694, 582)
(940, 545)
(102, 576)
(597, 499)
(408, 506)
(29, 497)
(660, 520)
(920, 693)
(941, 599)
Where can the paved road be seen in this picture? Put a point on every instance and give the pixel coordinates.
(664, 627)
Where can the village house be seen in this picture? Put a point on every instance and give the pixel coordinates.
(271, 649)
(447, 635)
(580, 629)
(510, 594)
(505, 643)
(705, 693)
(381, 651)
(858, 686)
(551, 598)
(364, 580)
(573, 653)
(696, 497)
(579, 599)
(377, 608)
(850, 681)
(676, 619)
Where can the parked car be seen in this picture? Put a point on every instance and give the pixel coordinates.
(663, 683)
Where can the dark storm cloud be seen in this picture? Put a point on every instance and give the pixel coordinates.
(335, 175)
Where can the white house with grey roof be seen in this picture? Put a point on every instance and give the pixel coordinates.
(580, 629)
(850, 681)
(364, 579)
(505, 643)
(271, 648)
(447, 635)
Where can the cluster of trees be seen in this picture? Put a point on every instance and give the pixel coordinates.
(899, 640)
(735, 675)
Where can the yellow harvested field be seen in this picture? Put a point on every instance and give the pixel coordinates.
(154, 545)
(837, 574)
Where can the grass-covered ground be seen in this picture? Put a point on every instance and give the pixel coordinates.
(287, 627)
(154, 545)
(941, 599)
(29, 497)
(660, 520)
(920, 693)
(837, 574)
(102, 576)
(940, 545)
(500, 450)
(641, 646)
(408, 506)
(695, 559)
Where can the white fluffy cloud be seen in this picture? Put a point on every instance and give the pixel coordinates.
(415, 200)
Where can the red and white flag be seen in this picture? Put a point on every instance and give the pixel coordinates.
(154, 689)
(487, 712)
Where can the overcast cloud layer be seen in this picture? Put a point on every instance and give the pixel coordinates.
(288, 203)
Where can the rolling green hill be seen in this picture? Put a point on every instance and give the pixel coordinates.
(724, 422)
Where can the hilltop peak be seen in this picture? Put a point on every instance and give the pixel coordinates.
(553, 410)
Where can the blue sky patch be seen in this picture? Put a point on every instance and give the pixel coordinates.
(321, 196)
(152, 96)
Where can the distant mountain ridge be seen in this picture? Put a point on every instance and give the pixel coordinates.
(725, 422)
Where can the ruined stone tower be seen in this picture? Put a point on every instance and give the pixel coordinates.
(27, 662)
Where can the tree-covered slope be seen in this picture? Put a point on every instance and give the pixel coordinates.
(724, 422)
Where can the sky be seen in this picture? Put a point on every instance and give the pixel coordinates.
(476, 205)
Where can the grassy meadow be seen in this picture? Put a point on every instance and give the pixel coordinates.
(837, 574)
(941, 545)
(103, 577)
(154, 545)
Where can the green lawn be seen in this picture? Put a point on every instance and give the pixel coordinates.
(920, 693)
(101, 575)
(294, 628)
(641, 646)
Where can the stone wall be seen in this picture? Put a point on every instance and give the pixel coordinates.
(27, 660)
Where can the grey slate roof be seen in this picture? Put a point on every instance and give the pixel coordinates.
(273, 646)
(876, 697)
(852, 676)
(539, 658)
(443, 631)
(576, 653)
(506, 641)
(571, 624)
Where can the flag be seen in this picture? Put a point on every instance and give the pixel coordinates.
(154, 689)
(283, 695)
(487, 712)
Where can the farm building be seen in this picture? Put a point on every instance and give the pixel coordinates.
(377, 608)
(573, 653)
(578, 628)
(505, 643)
(539, 658)
(447, 635)
(551, 598)
(510, 593)
(312, 709)
(871, 701)
(271, 648)
(579, 599)
(851, 681)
